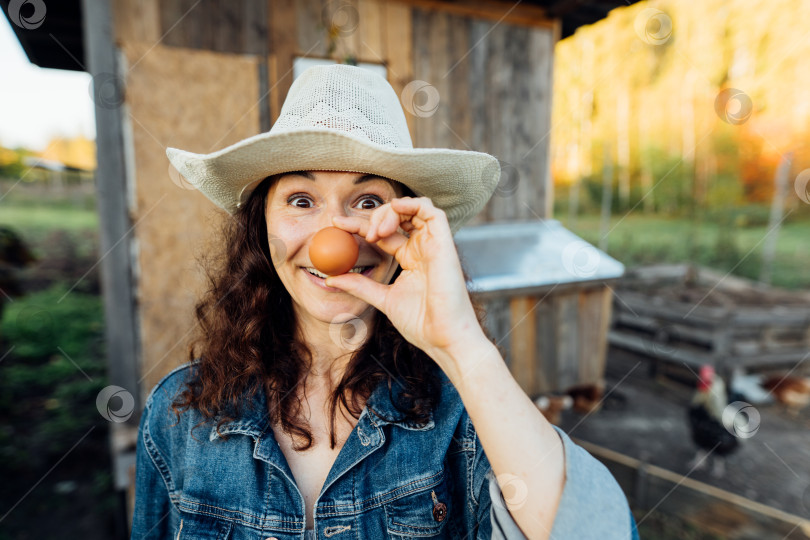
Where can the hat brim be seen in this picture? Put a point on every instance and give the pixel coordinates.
(458, 181)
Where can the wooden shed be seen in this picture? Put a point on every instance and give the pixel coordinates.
(203, 74)
(547, 295)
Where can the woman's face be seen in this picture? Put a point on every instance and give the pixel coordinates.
(301, 204)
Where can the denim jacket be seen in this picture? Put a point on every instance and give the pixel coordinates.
(391, 479)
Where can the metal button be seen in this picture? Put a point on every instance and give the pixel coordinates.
(439, 508)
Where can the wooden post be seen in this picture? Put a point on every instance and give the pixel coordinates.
(573, 203)
(522, 342)
(115, 226)
(607, 193)
(282, 37)
(113, 184)
(775, 221)
(585, 134)
(623, 148)
(646, 177)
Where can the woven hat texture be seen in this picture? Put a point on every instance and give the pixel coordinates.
(343, 118)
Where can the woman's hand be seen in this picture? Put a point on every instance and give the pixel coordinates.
(428, 302)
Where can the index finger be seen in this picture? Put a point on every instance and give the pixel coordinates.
(389, 243)
(369, 229)
(419, 211)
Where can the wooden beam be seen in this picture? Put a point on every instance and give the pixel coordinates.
(283, 45)
(369, 32)
(710, 508)
(397, 51)
(522, 343)
(115, 223)
(136, 20)
(506, 12)
(113, 186)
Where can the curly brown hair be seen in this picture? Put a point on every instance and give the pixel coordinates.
(247, 340)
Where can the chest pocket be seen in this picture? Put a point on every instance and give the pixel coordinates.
(196, 526)
(423, 513)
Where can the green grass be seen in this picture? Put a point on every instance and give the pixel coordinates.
(35, 211)
(637, 239)
(634, 239)
(38, 219)
(52, 371)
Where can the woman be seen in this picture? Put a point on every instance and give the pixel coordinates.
(365, 405)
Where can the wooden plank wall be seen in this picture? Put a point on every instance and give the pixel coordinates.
(492, 73)
(552, 341)
(492, 68)
(166, 89)
(494, 83)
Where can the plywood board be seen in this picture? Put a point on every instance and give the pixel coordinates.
(198, 101)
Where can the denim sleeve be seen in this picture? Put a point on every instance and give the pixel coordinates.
(150, 518)
(593, 505)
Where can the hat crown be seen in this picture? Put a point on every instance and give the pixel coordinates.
(349, 99)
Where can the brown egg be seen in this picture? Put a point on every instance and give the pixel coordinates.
(333, 251)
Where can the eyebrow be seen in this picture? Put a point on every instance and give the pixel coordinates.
(359, 180)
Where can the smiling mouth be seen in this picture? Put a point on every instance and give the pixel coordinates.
(365, 270)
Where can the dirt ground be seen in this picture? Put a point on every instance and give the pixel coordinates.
(772, 467)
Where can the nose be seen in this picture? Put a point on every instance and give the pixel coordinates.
(331, 211)
(336, 208)
(332, 204)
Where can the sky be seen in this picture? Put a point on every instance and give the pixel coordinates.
(37, 104)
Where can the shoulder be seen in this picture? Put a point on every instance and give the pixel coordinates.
(157, 413)
(171, 384)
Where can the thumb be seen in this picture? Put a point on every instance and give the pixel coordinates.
(364, 288)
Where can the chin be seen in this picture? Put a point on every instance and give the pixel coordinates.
(340, 310)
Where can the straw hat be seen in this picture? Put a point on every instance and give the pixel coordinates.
(343, 118)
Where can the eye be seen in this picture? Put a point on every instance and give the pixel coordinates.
(373, 199)
(296, 197)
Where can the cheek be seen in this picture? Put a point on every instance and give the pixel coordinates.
(285, 237)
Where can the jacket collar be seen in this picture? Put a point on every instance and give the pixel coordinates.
(381, 411)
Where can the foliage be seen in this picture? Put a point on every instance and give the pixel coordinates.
(674, 130)
(722, 244)
(51, 374)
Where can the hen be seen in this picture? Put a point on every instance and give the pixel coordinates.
(552, 406)
(793, 392)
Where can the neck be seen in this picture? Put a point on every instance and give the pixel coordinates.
(332, 345)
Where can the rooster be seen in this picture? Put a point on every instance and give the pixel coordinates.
(706, 422)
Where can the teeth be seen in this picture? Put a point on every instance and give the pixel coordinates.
(316, 273)
(356, 269)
